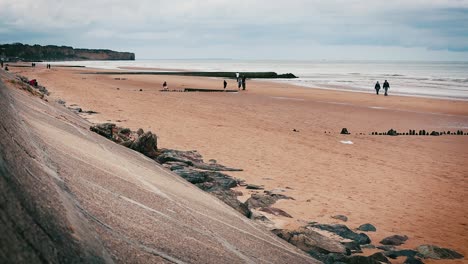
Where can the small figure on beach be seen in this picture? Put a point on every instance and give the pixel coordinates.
(243, 82)
(224, 84)
(386, 86)
(377, 87)
(237, 76)
(6, 68)
(239, 83)
(1, 62)
(165, 85)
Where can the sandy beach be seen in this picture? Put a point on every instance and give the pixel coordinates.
(409, 185)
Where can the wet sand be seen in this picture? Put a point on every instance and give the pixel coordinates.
(410, 185)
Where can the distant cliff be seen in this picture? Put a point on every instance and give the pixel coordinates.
(24, 52)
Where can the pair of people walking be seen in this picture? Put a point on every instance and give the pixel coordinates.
(385, 86)
(241, 82)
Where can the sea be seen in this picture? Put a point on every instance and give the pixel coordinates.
(448, 80)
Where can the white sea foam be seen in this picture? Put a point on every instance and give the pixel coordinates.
(423, 79)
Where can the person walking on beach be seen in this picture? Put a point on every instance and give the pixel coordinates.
(386, 86)
(237, 76)
(239, 83)
(377, 87)
(224, 84)
(1, 62)
(243, 83)
(165, 86)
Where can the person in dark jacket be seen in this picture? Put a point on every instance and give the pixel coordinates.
(377, 87)
(225, 84)
(243, 82)
(386, 86)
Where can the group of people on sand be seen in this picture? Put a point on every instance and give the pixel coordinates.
(240, 80)
(385, 86)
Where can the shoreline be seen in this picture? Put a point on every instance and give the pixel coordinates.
(252, 130)
(368, 88)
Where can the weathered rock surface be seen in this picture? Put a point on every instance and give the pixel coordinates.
(394, 240)
(401, 253)
(309, 240)
(147, 144)
(435, 252)
(264, 200)
(367, 228)
(343, 218)
(344, 232)
(275, 211)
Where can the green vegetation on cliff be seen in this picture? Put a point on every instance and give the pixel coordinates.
(24, 52)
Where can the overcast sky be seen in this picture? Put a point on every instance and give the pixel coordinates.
(246, 29)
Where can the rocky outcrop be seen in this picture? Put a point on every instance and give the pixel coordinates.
(344, 232)
(435, 252)
(367, 228)
(394, 240)
(310, 241)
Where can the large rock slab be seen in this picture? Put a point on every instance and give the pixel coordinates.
(309, 240)
(344, 232)
(435, 252)
(394, 240)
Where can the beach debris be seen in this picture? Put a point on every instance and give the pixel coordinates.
(435, 252)
(275, 211)
(394, 240)
(344, 131)
(343, 218)
(141, 90)
(344, 232)
(367, 228)
(254, 187)
(295, 130)
(347, 142)
(310, 240)
(60, 101)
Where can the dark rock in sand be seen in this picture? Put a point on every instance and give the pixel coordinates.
(188, 157)
(434, 133)
(392, 132)
(343, 218)
(401, 253)
(275, 211)
(352, 246)
(105, 129)
(367, 228)
(344, 232)
(254, 187)
(376, 258)
(394, 240)
(147, 144)
(216, 180)
(344, 131)
(60, 101)
(264, 200)
(435, 252)
(310, 241)
(386, 247)
(412, 260)
(368, 246)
